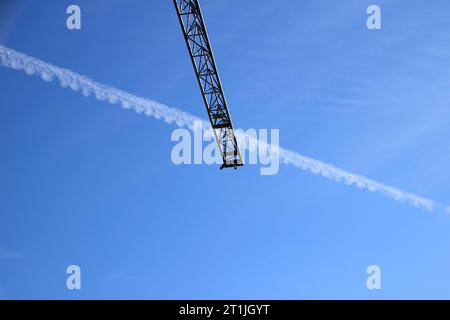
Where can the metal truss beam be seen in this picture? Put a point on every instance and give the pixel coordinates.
(194, 31)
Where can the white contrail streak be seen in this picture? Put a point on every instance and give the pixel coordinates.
(48, 72)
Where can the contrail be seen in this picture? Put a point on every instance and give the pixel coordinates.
(48, 72)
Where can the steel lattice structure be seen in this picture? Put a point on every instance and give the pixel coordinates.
(196, 37)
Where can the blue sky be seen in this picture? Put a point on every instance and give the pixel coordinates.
(87, 183)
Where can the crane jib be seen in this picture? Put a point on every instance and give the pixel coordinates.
(194, 31)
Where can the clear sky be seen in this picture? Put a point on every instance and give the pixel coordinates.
(87, 183)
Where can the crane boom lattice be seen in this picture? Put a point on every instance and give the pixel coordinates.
(194, 30)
